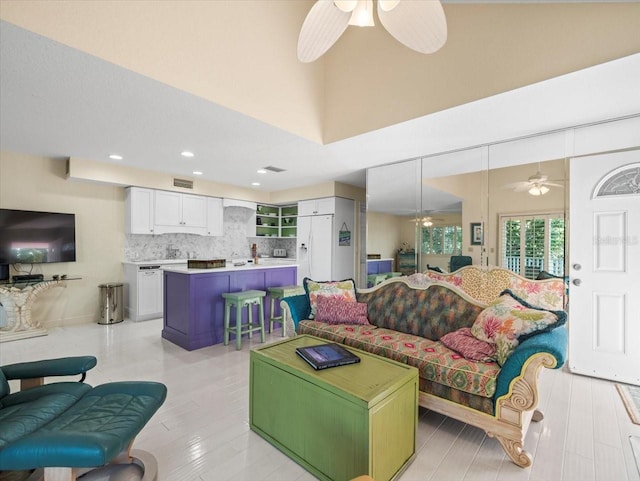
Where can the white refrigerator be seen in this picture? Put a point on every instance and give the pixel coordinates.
(320, 254)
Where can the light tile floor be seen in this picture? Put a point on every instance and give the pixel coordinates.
(201, 433)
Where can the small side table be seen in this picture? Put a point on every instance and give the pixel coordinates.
(280, 293)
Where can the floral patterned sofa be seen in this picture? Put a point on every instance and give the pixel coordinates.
(406, 324)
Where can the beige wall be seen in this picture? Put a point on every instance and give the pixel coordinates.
(238, 54)
(38, 183)
(373, 81)
(384, 234)
(242, 55)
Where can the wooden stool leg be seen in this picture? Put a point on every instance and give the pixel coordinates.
(261, 316)
(227, 314)
(239, 326)
(284, 322)
(250, 316)
(272, 311)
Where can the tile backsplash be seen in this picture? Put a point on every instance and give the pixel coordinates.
(234, 242)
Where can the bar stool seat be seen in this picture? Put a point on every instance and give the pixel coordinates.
(280, 293)
(240, 300)
(375, 279)
(392, 274)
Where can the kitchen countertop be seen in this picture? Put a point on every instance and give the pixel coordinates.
(229, 268)
(156, 262)
(265, 261)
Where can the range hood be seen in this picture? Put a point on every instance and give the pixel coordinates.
(239, 203)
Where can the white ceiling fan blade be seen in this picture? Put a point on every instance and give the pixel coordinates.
(524, 187)
(517, 185)
(324, 25)
(417, 24)
(553, 184)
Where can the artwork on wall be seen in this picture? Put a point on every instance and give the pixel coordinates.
(476, 233)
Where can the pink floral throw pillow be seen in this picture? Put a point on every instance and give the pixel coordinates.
(334, 310)
(345, 290)
(509, 320)
(464, 343)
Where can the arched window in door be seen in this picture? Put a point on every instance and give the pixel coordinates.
(624, 180)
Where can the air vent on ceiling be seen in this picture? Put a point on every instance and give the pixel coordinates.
(185, 184)
(271, 168)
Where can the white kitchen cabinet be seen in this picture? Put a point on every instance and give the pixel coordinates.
(143, 295)
(143, 292)
(139, 211)
(215, 225)
(177, 212)
(149, 293)
(324, 206)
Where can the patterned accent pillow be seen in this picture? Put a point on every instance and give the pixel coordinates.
(342, 289)
(509, 320)
(335, 310)
(472, 348)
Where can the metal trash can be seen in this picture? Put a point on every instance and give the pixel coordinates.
(111, 303)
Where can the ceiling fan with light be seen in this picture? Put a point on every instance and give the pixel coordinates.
(537, 184)
(426, 220)
(418, 24)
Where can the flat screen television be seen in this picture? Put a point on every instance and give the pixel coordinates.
(29, 237)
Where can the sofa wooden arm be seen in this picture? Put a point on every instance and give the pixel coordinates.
(514, 410)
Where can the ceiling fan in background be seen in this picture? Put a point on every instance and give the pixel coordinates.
(418, 24)
(537, 184)
(426, 220)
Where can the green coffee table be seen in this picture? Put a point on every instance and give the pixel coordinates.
(338, 423)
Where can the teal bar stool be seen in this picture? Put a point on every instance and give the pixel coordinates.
(240, 300)
(280, 293)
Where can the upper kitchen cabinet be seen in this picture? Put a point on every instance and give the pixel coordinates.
(139, 211)
(276, 221)
(322, 206)
(214, 216)
(288, 220)
(267, 221)
(177, 212)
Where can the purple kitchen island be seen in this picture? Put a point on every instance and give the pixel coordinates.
(194, 306)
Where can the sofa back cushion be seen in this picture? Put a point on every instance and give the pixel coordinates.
(431, 312)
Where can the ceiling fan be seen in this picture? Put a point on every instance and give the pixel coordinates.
(426, 221)
(418, 24)
(537, 184)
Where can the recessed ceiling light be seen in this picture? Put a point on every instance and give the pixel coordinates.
(255, 183)
(197, 172)
(115, 157)
(261, 171)
(186, 153)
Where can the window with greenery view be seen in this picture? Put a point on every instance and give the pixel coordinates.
(531, 243)
(442, 240)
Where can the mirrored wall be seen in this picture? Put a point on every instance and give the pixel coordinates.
(499, 205)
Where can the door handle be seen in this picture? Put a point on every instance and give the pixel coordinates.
(577, 267)
(577, 282)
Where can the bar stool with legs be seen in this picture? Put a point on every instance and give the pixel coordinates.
(240, 300)
(280, 293)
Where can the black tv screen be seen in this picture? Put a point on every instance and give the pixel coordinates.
(29, 237)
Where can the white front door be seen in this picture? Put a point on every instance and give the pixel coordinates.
(604, 267)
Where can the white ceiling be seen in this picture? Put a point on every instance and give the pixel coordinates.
(60, 102)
